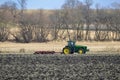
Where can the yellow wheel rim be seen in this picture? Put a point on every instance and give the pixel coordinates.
(80, 51)
(66, 51)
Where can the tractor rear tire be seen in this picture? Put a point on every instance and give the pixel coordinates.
(66, 50)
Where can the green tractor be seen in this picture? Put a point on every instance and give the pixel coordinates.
(72, 48)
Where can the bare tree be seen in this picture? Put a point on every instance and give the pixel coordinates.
(80, 21)
(87, 17)
(116, 21)
(4, 32)
(8, 12)
(42, 29)
(22, 4)
(56, 23)
(7, 18)
(73, 21)
(25, 33)
(70, 15)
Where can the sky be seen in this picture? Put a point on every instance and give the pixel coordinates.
(56, 4)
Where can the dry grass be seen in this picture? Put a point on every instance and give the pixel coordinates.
(9, 47)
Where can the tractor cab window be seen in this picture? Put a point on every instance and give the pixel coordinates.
(71, 43)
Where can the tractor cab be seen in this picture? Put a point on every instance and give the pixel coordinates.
(71, 43)
(72, 48)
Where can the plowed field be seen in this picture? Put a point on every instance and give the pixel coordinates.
(59, 67)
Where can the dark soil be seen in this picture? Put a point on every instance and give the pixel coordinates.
(59, 67)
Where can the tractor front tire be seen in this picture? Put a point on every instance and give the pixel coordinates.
(66, 51)
(81, 51)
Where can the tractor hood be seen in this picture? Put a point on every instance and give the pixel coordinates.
(80, 46)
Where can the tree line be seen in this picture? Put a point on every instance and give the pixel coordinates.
(75, 20)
